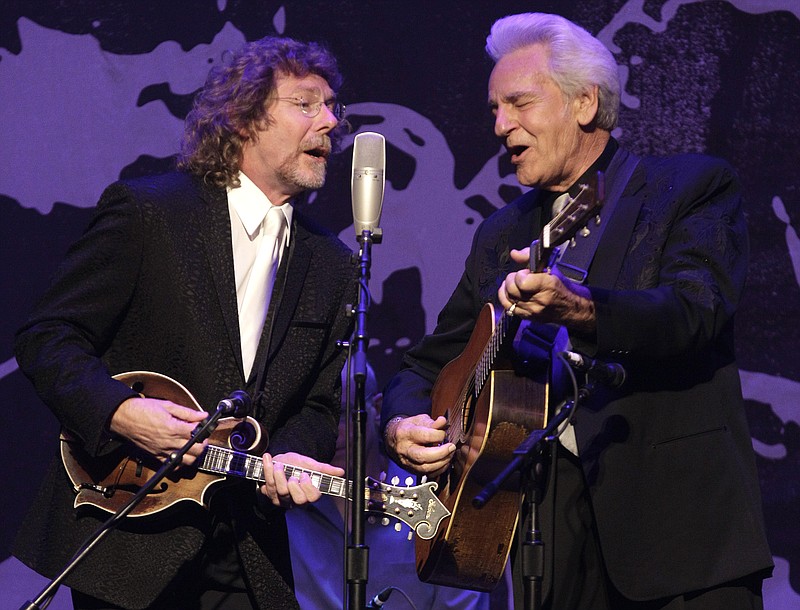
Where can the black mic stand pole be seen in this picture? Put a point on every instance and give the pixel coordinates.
(357, 553)
(202, 431)
(527, 461)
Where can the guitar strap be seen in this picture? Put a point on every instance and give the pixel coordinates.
(576, 259)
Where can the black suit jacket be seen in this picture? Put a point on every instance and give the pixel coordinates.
(668, 457)
(150, 286)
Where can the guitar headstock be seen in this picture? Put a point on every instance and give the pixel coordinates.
(417, 506)
(572, 218)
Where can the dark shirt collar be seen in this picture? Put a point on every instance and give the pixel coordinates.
(600, 165)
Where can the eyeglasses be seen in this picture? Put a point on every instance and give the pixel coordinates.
(312, 109)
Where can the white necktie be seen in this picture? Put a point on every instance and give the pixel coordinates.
(259, 287)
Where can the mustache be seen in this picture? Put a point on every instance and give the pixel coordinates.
(321, 144)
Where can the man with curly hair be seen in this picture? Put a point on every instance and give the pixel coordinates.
(207, 275)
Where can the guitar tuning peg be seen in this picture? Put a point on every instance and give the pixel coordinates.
(409, 481)
(410, 536)
(372, 520)
(385, 521)
(424, 479)
(382, 476)
(585, 232)
(398, 526)
(395, 480)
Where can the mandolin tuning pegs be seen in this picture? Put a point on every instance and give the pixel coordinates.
(395, 480)
(424, 479)
(409, 481)
(382, 476)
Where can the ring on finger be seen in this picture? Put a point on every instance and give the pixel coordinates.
(510, 310)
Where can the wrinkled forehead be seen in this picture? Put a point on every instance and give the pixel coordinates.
(525, 69)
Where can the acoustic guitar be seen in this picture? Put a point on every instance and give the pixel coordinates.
(108, 482)
(491, 408)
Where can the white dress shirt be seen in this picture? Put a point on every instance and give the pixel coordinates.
(258, 245)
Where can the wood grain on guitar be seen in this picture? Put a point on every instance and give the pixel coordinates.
(234, 451)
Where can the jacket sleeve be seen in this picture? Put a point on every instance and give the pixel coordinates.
(61, 345)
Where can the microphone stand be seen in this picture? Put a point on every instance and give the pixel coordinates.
(357, 553)
(527, 461)
(201, 432)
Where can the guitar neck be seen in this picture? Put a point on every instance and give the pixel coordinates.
(220, 460)
(540, 256)
(490, 351)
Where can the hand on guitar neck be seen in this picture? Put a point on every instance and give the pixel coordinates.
(293, 491)
(418, 444)
(547, 297)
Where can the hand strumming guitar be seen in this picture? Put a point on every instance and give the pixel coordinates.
(418, 444)
(160, 427)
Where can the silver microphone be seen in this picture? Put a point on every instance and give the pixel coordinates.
(367, 183)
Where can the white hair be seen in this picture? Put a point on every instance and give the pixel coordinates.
(578, 60)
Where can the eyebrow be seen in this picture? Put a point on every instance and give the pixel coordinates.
(313, 92)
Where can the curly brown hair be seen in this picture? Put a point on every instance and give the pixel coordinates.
(231, 107)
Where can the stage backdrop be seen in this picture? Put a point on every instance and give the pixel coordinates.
(96, 90)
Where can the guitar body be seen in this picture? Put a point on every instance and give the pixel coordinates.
(472, 549)
(109, 481)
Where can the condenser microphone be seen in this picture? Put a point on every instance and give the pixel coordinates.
(367, 183)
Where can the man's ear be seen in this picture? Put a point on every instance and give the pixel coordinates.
(586, 105)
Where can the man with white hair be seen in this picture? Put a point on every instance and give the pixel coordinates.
(652, 497)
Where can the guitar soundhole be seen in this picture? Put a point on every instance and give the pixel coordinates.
(243, 436)
(138, 387)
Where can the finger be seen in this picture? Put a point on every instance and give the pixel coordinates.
(280, 480)
(438, 455)
(510, 287)
(521, 256)
(294, 493)
(440, 423)
(268, 488)
(184, 413)
(335, 471)
(304, 491)
(502, 297)
(422, 436)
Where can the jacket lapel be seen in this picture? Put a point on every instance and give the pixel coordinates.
(219, 253)
(286, 295)
(292, 280)
(614, 244)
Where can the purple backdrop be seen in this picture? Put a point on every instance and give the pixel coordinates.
(98, 90)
